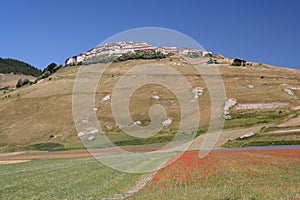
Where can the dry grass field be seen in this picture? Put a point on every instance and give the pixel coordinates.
(42, 113)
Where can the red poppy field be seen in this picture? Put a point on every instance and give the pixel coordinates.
(247, 174)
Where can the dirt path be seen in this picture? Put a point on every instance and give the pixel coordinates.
(8, 162)
(140, 185)
(291, 122)
(11, 153)
(286, 131)
(61, 154)
(45, 155)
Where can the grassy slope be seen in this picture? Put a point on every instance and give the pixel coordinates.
(33, 113)
(11, 80)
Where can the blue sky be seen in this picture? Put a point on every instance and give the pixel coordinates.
(41, 32)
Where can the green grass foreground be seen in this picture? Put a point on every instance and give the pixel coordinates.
(63, 179)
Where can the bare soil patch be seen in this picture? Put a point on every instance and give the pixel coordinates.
(8, 162)
(291, 122)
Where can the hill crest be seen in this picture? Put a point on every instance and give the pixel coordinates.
(9, 65)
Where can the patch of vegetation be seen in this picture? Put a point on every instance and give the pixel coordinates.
(265, 139)
(50, 146)
(163, 136)
(99, 59)
(232, 144)
(8, 65)
(48, 71)
(4, 88)
(252, 118)
(212, 61)
(201, 131)
(194, 55)
(140, 55)
(239, 62)
(52, 68)
(276, 128)
(22, 82)
(143, 141)
(149, 54)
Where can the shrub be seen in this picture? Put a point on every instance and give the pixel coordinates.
(22, 82)
(239, 62)
(50, 68)
(140, 55)
(50, 146)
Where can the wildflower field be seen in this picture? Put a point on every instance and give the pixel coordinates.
(247, 174)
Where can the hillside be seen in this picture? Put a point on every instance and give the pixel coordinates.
(8, 81)
(8, 65)
(42, 113)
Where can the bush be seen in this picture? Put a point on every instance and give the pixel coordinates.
(194, 55)
(99, 59)
(23, 82)
(50, 68)
(48, 71)
(239, 62)
(50, 146)
(140, 55)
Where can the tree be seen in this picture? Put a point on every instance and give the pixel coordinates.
(8, 65)
(239, 62)
(21, 82)
(50, 68)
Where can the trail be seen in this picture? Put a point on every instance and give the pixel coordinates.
(8, 162)
(287, 131)
(140, 185)
(2, 76)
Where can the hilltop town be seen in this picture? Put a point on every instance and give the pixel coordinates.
(119, 48)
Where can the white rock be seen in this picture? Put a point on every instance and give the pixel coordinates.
(167, 122)
(289, 92)
(173, 103)
(198, 91)
(84, 133)
(250, 86)
(156, 97)
(247, 135)
(106, 98)
(227, 117)
(137, 123)
(81, 134)
(228, 104)
(261, 105)
(95, 109)
(85, 121)
(108, 127)
(91, 138)
(92, 131)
